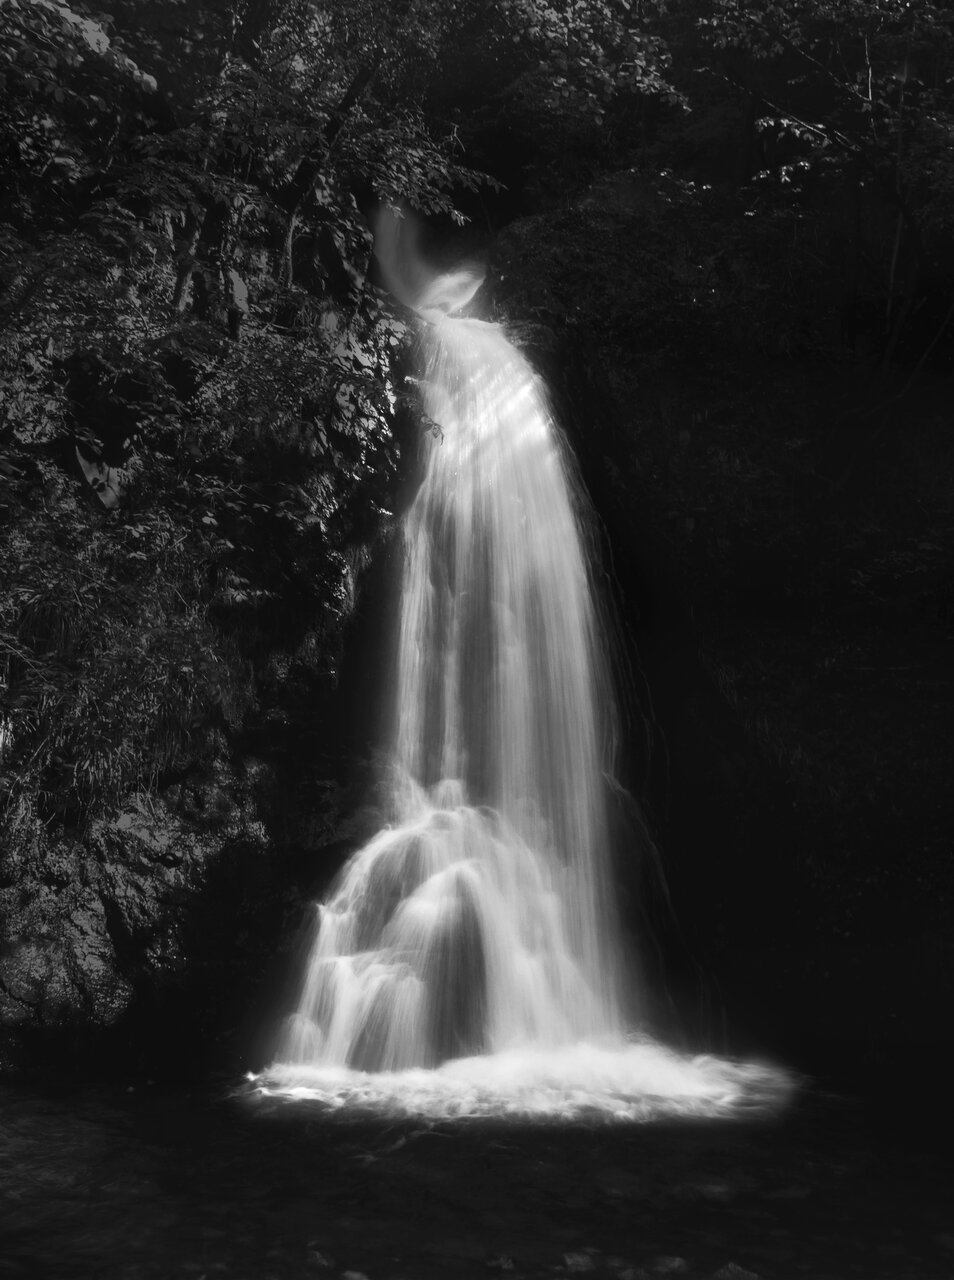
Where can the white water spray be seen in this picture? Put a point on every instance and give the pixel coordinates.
(468, 959)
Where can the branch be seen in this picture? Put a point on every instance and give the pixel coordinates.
(829, 133)
(253, 28)
(929, 351)
(310, 165)
(10, 311)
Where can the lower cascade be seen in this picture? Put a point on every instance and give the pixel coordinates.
(468, 960)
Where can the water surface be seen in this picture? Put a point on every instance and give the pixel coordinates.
(102, 1185)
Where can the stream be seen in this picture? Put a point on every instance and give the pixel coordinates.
(151, 1184)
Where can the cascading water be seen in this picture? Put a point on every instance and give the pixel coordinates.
(468, 960)
(480, 921)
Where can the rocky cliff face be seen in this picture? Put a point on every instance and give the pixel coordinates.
(149, 931)
(90, 921)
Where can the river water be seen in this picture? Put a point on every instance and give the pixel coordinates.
(149, 1185)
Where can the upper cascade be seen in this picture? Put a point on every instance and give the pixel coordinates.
(407, 276)
(449, 294)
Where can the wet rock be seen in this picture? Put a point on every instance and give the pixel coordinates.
(502, 1263)
(579, 1262)
(732, 1271)
(58, 964)
(92, 919)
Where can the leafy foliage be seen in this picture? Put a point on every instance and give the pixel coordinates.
(855, 93)
(196, 381)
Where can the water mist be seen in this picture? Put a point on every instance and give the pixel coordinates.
(468, 959)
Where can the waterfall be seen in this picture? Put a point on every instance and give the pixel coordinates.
(468, 958)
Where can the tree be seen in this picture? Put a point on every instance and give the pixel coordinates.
(856, 92)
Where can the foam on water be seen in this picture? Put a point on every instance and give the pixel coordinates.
(608, 1081)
